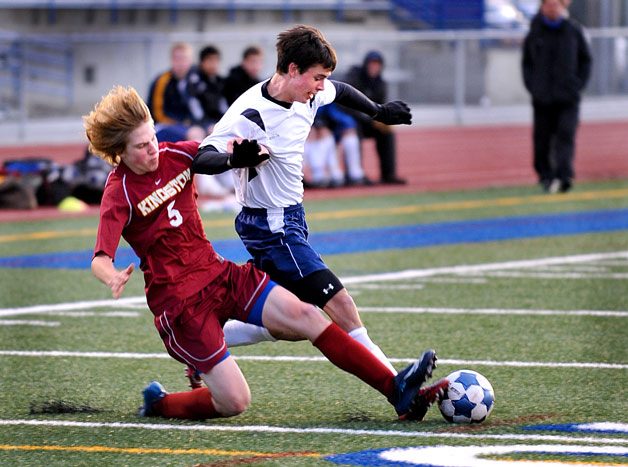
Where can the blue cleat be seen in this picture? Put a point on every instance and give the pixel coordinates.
(408, 382)
(152, 393)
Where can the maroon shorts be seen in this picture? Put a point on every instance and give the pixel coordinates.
(192, 330)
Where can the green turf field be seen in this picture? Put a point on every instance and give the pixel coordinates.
(539, 330)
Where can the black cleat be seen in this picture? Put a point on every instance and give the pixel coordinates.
(408, 381)
(423, 400)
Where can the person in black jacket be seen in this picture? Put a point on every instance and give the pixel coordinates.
(556, 67)
(244, 75)
(368, 79)
(168, 100)
(205, 87)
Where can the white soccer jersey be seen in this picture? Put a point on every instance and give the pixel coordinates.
(283, 129)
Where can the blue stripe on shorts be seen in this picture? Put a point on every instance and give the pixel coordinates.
(255, 316)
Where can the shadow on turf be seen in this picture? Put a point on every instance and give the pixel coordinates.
(60, 407)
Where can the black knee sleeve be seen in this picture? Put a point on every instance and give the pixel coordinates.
(317, 288)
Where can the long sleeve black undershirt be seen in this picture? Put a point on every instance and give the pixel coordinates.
(350, 97)
(211, 162)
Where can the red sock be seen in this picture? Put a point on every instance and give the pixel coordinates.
(194, 405)
(349, 355)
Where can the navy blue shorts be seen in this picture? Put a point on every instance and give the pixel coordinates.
(276, 238)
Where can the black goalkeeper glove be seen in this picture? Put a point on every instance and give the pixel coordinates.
(394, 113)
(247, 153)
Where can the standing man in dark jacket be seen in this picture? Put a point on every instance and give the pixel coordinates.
(556, 67)
(368, 79)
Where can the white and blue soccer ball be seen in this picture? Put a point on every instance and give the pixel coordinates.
(469, 398)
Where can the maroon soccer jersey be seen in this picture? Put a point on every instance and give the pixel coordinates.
(156, 213)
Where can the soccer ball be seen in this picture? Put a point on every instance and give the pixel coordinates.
(469, 398)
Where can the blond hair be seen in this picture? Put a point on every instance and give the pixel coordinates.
(111, 122)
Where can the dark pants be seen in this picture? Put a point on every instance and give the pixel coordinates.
(554, 140)
(385, 146)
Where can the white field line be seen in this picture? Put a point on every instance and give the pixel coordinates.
(33, 322)
(315, 431)
(57, 307)
(479, 268)
(99, 314)
(553, 275)
(492, 311)
(133, 302)
(577, 268)
(304, 359)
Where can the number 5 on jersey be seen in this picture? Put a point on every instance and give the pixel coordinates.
(176, 219)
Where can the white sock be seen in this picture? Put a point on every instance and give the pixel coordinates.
(315, 158)
(238, 333)
(351, 148)
(331, 159)
(361, 335)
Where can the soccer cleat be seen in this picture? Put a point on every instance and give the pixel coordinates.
(408, 381)
(195, 378)
(152, 393)
(424, 398)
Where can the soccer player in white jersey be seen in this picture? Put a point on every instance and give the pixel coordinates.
(270, 123)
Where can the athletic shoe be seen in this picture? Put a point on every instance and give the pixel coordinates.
(152, 393)
(424, 398)
(565, 185)
(408, 381)
(195, 378)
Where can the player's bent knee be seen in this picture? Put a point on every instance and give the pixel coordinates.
(345, 302)
(235, 405)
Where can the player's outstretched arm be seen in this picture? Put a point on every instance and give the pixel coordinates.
(391, 113)
(105, 272)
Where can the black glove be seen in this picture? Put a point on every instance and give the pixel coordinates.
(247, 153)
(394, 113)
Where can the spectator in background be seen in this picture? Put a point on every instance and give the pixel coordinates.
(244, 75)
(333, 127)
(207, 105)
(368, 79)
(556, 67)
(321, 157)
(205, 86)
(168, 99)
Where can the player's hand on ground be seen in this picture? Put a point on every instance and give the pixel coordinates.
(247, 153)
(119, 280)
(394, 113)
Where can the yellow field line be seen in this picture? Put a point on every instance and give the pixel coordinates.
(474, 204)
(369, 212)
(48, 234)
(114, 450)
(558, 461)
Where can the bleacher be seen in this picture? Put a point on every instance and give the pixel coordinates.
(431, 14)
(439, 14)
(37, 69)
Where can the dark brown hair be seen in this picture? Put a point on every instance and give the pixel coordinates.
(304, 46)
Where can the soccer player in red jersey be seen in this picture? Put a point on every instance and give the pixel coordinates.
(150, 201)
